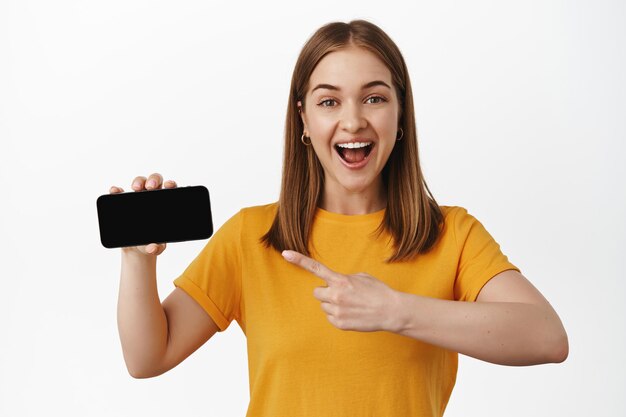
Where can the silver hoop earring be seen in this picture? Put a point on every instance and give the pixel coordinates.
(401, 134)
(302, 140)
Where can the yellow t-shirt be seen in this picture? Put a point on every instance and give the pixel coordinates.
(299, 364)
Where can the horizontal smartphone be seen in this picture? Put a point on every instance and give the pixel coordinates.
(154, 216)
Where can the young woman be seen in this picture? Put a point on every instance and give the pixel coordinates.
(356, 289)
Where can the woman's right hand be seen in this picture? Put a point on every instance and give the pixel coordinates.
(153, 182)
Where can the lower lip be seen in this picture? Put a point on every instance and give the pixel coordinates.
(355, 165)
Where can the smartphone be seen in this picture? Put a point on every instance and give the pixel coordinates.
(154, 216)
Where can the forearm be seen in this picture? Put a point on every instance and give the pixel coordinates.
(142, 322)
(514, 334)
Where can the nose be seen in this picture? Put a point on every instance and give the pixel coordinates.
(352, 119)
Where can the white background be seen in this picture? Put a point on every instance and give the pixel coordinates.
(520, 110)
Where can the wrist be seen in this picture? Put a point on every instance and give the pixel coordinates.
(399, 317)
(135, 256)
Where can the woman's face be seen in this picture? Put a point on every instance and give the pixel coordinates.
(351, 116)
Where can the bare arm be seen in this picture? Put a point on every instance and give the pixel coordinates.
(510, 324)
(155, 337)
(141, 320)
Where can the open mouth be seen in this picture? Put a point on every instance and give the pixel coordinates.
(354, 152)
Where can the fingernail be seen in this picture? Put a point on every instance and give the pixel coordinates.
(150, 183)
(287, 255)
(136, 184)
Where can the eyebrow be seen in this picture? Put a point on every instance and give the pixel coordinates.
(365, 86)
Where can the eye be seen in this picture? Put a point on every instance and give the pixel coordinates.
(378, 99)
(324, 103)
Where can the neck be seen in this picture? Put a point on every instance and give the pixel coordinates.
(342, 201)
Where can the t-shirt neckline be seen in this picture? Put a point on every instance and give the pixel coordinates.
(375, 216)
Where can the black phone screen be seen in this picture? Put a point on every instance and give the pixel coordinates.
(154, 216)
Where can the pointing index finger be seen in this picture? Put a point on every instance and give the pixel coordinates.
(310, 265)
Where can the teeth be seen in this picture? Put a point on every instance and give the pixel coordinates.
(354, 144)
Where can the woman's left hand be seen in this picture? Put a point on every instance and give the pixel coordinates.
(352, 302)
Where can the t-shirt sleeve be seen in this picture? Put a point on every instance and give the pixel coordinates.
(480, 257)
(213, 279)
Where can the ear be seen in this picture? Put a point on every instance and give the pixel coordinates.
(301, 113)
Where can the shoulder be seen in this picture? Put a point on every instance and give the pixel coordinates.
(458, 221)
(248, 223)
(452, 213)
(466, 229)
(257, 219)
(262, 213)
